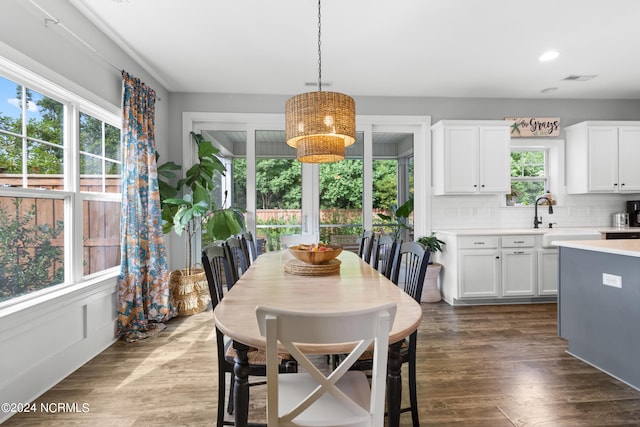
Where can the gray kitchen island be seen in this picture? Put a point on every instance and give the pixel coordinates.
(599, 305)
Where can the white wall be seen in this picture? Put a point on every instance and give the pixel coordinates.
(44, 341)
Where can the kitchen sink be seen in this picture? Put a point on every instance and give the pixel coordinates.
(558, 235)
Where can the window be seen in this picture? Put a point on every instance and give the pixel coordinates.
(60, 157)
(31, 135)
(100, 156)
(528, 176)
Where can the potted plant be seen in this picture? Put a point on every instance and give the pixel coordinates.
(430, 291)
(399, 218)
(187, 207)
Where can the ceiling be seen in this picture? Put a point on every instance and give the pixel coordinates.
(434, 48)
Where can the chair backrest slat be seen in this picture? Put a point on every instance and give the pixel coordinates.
(237, 257)
(250, 245)
(365, 244)
(383, 253)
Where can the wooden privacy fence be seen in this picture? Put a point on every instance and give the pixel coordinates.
(101, 219)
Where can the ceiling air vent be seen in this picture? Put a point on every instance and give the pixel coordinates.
(327, 84)
(579, 78)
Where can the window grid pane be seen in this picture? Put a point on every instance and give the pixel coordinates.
(31, 245)
(101, 235)
(100, 156)
(528, 177)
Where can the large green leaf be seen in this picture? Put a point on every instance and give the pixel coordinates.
(166, 170)
(166, 190)
(200, 194)
(200, 209)
(232, 222)
(206, 149)
(224, 223)
(181, 219)
(405, 210)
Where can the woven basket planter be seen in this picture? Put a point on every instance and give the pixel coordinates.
(189, 292)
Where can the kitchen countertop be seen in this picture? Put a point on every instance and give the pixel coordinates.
(628, 247)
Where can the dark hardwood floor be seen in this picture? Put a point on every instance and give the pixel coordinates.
(477, 366)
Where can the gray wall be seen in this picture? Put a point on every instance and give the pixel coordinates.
(569, 111)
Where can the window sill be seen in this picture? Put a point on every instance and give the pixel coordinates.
(39, 299)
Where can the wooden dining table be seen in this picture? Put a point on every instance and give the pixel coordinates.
(357, 285)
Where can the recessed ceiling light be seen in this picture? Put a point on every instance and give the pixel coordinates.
(548, 56)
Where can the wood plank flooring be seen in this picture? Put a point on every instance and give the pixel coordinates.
(477, 366)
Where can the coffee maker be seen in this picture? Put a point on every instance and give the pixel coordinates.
(633, 209)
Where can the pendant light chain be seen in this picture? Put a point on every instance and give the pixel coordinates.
(319, 53)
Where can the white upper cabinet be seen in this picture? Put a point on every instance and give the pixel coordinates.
(602, 157)
(471, 157)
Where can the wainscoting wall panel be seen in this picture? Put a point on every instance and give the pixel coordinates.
(44, 341)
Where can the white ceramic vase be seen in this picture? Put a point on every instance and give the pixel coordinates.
(430, 291)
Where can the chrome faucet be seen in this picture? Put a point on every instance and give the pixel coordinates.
(537, 221)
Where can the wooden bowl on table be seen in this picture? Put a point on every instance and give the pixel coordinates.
(315, 253)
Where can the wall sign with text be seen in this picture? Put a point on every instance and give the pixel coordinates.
(534, 126)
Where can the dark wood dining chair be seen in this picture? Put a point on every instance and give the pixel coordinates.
(218, 273)
(365, 243)
(409, 268)
(249, 245)
(383, 253)
(238, 259)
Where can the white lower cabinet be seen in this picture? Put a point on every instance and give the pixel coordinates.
(479, 273)
(496, 268)
(548, 272)
(519, 272)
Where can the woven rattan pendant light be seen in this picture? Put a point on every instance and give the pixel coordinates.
(320, 124)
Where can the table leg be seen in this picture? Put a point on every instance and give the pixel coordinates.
(241, 388)
(394, 384)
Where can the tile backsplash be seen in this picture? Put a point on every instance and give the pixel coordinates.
(584, 210)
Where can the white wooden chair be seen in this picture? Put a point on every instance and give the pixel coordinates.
(311, 398)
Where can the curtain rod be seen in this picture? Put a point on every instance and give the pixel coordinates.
(56, 21)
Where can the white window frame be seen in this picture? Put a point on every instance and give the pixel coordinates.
(73, 102)
(554, 164)
(419, 126)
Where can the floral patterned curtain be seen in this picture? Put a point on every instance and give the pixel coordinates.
(143, 285)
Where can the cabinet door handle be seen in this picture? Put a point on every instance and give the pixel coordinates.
(497, 257)
(518, 241)
(478, 243)
(482, 185)
(475, 185)
(518, 252)
(622, 184)
(615, 183)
